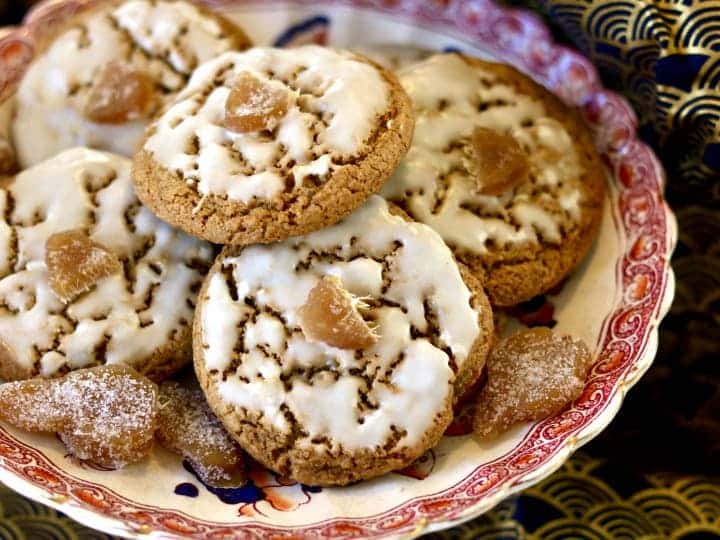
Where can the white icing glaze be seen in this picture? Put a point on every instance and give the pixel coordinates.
(175, 30)
(434, 165)
(53, 197)
(335, 98)
(166, 39)
(369, 247)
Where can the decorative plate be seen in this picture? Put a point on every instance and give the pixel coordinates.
(614, 302)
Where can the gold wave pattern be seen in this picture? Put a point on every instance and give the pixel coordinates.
(22, 519)
(665, 56)
(582, 503)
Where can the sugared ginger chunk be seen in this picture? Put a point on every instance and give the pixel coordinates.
(254, 105)
(187, 426)
(106, 415)
(75, 263)
(330, 315)
(120, 93)
(530, 375)
(497, 161)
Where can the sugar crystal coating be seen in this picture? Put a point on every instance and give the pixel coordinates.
(530, 375)
(120, 93)
(187, 426)
(75, 263)
(330, 315)
(106, 415)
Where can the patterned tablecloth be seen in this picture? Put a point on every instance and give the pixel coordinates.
(655, 472)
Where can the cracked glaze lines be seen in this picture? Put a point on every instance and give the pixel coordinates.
(165, 40)
(335, 103)
(419, 306)
(125, 317)
(435, 185)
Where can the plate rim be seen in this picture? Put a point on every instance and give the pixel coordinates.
(633, 164)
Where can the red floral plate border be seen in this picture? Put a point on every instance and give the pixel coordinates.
(628, 338)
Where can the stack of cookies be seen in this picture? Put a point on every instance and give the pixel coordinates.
(324, 239)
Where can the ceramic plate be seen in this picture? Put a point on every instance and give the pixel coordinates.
(615, 302)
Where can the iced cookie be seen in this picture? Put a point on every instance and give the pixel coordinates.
(392, 56)
(88, 276)
(332, 357)
(505, 172)
(530, 375)
(272, 143)
(187, 426)
(106, 415)
(8, 159)
(99, 79)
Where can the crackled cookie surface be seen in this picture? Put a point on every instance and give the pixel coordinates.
(272, 143)
(100, 79)
(333, 357)
(88, 275)
(505, 173)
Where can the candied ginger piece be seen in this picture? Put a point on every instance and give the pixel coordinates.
(330, 315)
(120, 93)
(75, 263)
(187, 426)
(254, 105)
(530, 375)
(497, 161)
(106, 415)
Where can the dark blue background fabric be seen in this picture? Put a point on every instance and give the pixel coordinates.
(665, 57)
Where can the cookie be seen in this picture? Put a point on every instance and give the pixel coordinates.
(8, 159)
(272, 143)
(187, 426)
(105, 415)
(393, 56)
(98, 80)
(531, 375)
(88, 275)
(332, 357)
(505, 172)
